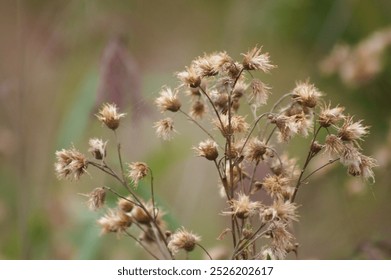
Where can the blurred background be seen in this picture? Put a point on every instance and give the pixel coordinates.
(61, 59)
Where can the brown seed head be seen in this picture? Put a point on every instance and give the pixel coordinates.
(352, 131)
(183, 239)
(189, 77)
(285, 211)
(334, 145)
(207, 149)
(306, 94)
(260, 93)
(197, 109)
(254, 60)
(165, 128)
(137, 171)
(330, 116)
(109, 116)
(243, 207)
(71, 164)
(115, 221)
(168, 100)
(97, 148)
(281, 237)
(238, 124)
(140, 215)
(255, 150)
(126, 205)
(277, 187)
(96, 199)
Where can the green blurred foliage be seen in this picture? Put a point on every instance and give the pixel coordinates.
(51, 53)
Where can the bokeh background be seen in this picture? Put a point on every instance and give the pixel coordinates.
(59, 59)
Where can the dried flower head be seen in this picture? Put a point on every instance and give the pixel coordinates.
(259, 93)
(351, 131)
(278, 187)
(71, 164)
(137, 171)
(350, 155)
(197, 109)
(207, 149)
(126, 205)
(243, 207)
(189, 77)
(210, 65)
(281, 237)
(285, 210)
(334, 145)
(254, 60)
(168, 100)
(255, 150)
(96, 199)
(115, 221)
(366, 165)
(109, 116)
(165, 128)
(306, 94)
(287, 127)
(183, 239)
(238, 124)
(140, 215)
(330, 116)
(97, 148)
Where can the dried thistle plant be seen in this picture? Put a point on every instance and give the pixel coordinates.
(217, 87)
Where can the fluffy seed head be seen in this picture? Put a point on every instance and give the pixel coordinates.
(207, 149)
(115, 221)
(255, 150)
(71, 164)
(334, 145)
(281, 237)
(286, 211)
(168, 100)
(189, 77)
(97, 148)
(96, 199)
(238, 124)
(139, 214)
(126, 205)
(110, 116)
(259, 93)
(165, 128)
(254, 60)
(243, 207)
(351, 131)
(197, 109)
(306, 94)
(330, 116)
(183, 240)
(137, 171)
(277, 187)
